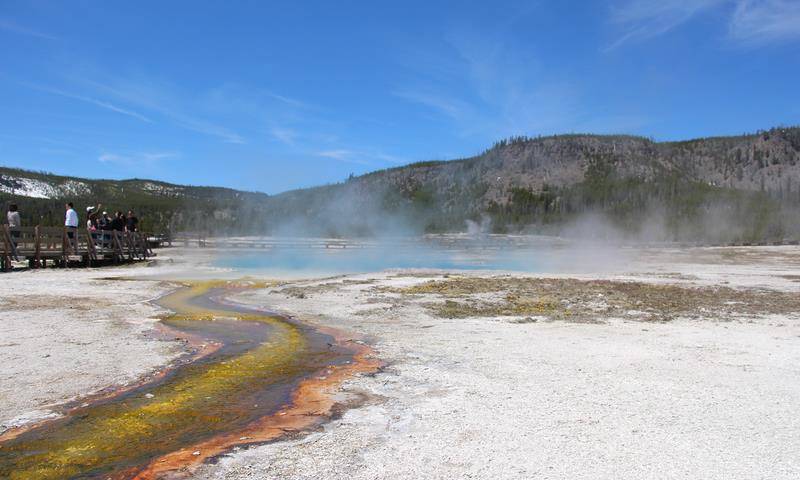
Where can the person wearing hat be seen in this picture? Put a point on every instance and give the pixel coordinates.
(91, 214)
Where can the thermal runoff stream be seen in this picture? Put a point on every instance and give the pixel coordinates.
(256, 367)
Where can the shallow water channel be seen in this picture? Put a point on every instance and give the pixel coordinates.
(260, 360)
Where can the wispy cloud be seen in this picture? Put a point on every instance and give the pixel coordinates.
(205, 127)
(149, 96)
(753, 22)
(288, 100)
(492, 88)
(643, 19)
(284, 135)
(12, 27)
(451, 107)
(765, 21)
(360, 157)
(341, 155)
(93, 101)
(136, 158)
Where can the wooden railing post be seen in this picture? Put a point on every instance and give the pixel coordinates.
(91, 250)
(37, 247)
(142, 240)
(134, 245)
(118, 245)
(11, 243)
(131, 254)
(64, 243)
(5, 258)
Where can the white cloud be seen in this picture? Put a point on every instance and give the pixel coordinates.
(754, 22)
(288, 100)
(12, 27)
(493, 88)
(360, 157)
(111, 158)
(284, 135)
(336, 154)
(145, 159)
(207, 128)
(448, 106)
(93, 101)
(643, 19)
(161, 100)
(765, 21)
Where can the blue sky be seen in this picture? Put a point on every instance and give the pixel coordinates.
(271, 96)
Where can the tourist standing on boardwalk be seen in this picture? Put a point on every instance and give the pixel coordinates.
(91, 213)
(104, 222)
(118, 223)
(14, 224)
(104, 225)
(133, 222)
(91, 222)
(71, 225)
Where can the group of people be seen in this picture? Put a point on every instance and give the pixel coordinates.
(96, 221)
(103, 221)
(100, 222)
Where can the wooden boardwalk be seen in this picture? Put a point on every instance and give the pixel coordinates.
(64, 247)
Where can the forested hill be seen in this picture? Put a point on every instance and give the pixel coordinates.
(161, 206)
(743, 187)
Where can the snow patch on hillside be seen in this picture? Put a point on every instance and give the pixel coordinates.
(26, 187)
(34, 188)
(73, 187)
(161, 189)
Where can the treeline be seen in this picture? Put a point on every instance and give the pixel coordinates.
(156, 214)
(668, 207)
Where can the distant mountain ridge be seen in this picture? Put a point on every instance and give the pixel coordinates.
(520, 184)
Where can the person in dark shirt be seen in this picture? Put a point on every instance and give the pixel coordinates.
(133, 222)
(104, 222)
(118, 223)
(104, 225)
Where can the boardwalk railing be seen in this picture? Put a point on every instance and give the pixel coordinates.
(64, 247)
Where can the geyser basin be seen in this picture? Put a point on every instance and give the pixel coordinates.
(377, 257)
(530, 254)
(261, 359)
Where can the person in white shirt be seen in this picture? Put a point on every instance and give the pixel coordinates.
(71, 225)
(14, 224)
(13, 217)
(71, 219)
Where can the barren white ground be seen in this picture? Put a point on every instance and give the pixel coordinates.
(485, 398)
(464, 398)
(65, 334)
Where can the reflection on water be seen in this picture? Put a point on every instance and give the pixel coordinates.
(354, 260)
